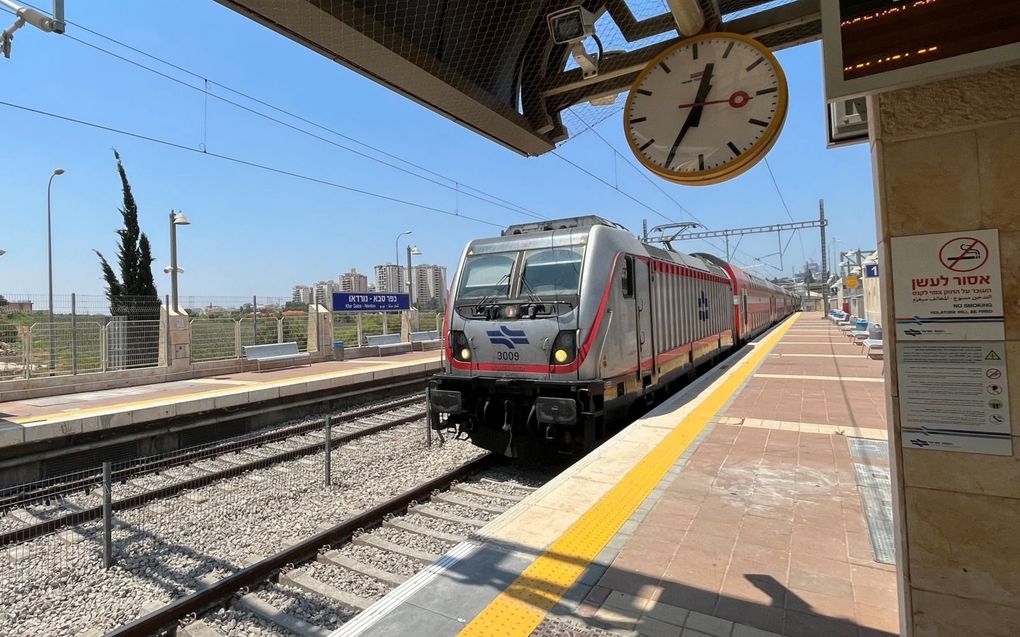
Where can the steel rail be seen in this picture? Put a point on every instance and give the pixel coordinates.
(26, 498)
(250, 576)
(94, 513)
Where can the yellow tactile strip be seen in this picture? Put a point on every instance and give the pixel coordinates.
(519, 609)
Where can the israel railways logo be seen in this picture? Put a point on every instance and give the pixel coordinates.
(506, 336)
(912, 332)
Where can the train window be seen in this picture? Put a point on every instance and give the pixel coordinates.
(627, 277)
(487, 275)
(552, 271)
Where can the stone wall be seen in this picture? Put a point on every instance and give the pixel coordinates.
(946, 157)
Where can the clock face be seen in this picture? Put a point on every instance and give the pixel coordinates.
(706, 109)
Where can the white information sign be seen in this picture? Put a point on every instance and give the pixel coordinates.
(948, 287)
(954, 396)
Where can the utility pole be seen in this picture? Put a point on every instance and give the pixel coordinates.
(825, 265)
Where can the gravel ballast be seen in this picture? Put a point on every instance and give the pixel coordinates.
(162, 548)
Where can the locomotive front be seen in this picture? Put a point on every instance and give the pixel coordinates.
(514, 375)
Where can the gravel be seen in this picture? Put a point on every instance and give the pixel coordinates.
(435, 524)
(483, 500)
(162, 548)
(413, 540)
(313, 609)
(399, 564)
(240, 623)
(356, 583)
(463, 511)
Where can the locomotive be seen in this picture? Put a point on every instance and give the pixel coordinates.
(555, 330)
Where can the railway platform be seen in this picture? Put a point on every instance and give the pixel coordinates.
(753, 503)
(41, 420)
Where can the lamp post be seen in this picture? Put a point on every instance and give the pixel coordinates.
(396, 259)
(410, 289)
(176, 219)
(49, 257)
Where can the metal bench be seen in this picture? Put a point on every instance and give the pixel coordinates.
(383, 339)
(273, 352)
(874, 340)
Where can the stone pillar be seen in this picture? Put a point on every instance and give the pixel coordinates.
(946, 158)
(320, 332)
(179, 351)
(408, 324)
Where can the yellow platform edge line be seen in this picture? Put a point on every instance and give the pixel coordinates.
(520, 608)
(103, 410)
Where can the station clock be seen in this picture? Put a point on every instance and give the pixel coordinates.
(706, 109)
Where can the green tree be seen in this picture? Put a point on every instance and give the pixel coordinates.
(133, 294)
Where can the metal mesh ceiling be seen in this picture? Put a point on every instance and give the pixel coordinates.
(492, 65)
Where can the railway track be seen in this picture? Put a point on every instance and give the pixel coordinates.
(37, 511)
(319, 583)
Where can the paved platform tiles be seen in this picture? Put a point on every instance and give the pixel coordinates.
(689, 523)
(816, 375)
(37, 419)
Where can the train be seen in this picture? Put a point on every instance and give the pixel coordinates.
(555, 331)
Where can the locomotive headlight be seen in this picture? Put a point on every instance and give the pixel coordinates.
(511, 311)
(564, 348)
(459, 342)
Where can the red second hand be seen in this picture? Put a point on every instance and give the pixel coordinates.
(739, 99)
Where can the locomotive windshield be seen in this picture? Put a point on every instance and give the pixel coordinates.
(552, 271)
(487, 275)
(541, 274)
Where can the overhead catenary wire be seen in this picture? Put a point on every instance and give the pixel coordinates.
(455, 185)
(782, 199)
(245, 162)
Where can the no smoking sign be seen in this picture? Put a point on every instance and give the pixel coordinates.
(963, 254)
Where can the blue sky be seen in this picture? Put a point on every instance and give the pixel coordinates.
(255, 232)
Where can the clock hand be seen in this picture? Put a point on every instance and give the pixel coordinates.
(694, 116)
(739, 99)
(702, 95)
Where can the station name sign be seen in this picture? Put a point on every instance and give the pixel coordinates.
(371, 301)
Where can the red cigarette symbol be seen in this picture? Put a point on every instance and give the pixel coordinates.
(963, 254)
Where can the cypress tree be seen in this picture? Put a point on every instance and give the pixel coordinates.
(134, 293)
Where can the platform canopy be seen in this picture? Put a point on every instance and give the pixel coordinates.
(492, 65)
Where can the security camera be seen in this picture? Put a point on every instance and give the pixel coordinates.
(572, 24)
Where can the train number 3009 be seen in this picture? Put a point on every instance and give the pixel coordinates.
(508, 356)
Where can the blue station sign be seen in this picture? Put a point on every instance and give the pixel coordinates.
(371, 301)
(871, 270)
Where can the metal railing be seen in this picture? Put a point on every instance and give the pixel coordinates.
(93, 333)
(131, 344)
(214, 339)
(13, 361)
(295, 328)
